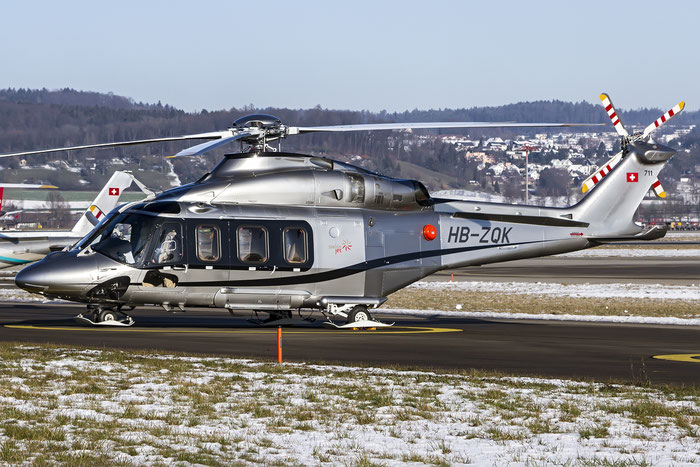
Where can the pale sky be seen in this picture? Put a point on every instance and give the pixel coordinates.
(373, 55)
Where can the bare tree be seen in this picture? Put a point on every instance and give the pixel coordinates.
(59, 215)
(554, 182)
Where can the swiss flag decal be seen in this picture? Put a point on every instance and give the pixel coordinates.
(115, 191)
(632, 177)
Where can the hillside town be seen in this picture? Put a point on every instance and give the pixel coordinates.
(580, 150)
(556, 164)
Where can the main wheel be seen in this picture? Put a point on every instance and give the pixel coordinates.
(108, 315)
(359, 313)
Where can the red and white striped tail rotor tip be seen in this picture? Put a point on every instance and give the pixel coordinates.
(610, 109)
(601, 172)
(664, 118)
(658, 189)
(599, 175)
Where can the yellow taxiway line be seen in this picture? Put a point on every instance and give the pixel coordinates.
(680, 357)
(396, 330)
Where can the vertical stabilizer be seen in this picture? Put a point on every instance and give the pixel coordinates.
(106, 200)
(611, 206)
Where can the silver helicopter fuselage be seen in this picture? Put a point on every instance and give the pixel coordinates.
(278, 231)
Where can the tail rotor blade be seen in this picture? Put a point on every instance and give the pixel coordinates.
(658, 189)
(602, 171)
(610, 109)
(663, 119)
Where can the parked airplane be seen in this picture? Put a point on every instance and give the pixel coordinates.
(13, 216)
(21, 246)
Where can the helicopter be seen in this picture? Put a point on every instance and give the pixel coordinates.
(278, 233)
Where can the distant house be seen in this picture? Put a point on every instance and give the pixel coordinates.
(480, 156)
(501, 167)
(561, 163)
(496, 144)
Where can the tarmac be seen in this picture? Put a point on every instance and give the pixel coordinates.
(600, 351)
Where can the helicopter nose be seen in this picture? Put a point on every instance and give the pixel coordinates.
(33, 278)
(58, 274)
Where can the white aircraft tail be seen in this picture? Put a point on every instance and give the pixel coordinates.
(105, 201)
(610, 207)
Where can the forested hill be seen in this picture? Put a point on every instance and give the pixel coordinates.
(99, 107)
(547, 111)
(34, 119)
(69, 96)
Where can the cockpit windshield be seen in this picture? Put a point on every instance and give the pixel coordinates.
(124, 238)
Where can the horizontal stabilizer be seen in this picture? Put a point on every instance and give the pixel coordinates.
(654, 232)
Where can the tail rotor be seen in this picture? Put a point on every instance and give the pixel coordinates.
(645, 136)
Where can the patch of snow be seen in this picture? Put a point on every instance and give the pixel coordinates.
(635, 252)
(653, 291)
(19, 295)
(426, 417)
(174, 179)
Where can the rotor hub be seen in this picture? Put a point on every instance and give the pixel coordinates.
(257, 121)
(261, 129)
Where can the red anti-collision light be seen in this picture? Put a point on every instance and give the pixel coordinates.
(429, 232)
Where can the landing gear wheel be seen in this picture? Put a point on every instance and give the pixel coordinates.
(108, 315)
(359, 313)
(97, 315)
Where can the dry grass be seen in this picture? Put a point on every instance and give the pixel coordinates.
(112, 407)
(519, 303)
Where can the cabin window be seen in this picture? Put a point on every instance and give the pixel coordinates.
(169, 245)
(252, 244)
(295, 245)
(208, 243)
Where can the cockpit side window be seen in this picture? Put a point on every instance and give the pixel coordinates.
(253, 244)
(124, 239)
(168, 248)
(295, 249)
(208, 243)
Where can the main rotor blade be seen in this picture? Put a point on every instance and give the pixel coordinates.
(211, 135)
(209, 145)
(429, 125)
(612, 113)
(26, 185)
(663, 119)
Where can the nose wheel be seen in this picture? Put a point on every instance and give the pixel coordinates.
(100, 315)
